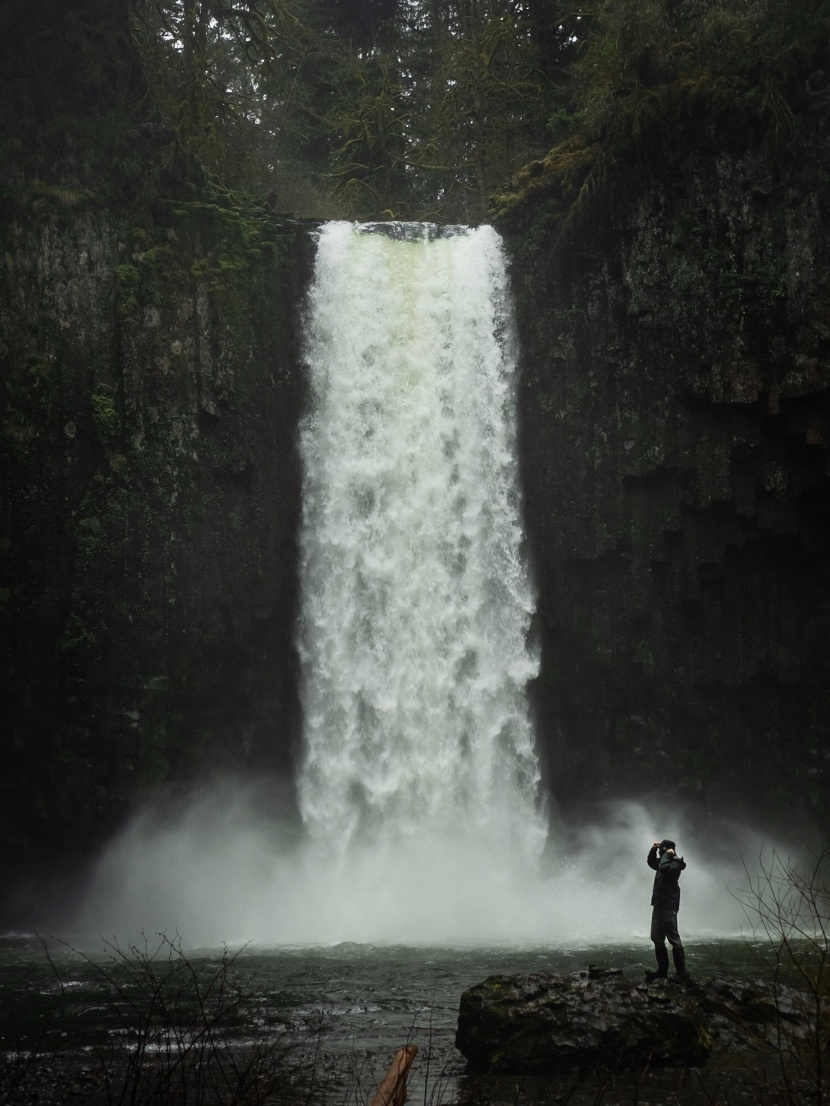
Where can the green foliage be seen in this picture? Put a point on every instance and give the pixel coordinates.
(47, 199)
(423, 109)
(369, 110)
(104, 414)
(651, 71)
(222, 83)
(488, 115)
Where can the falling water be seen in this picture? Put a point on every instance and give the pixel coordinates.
(416, 601)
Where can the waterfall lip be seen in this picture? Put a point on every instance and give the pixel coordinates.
(403, 231)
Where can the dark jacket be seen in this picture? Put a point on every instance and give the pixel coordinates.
(666, 890)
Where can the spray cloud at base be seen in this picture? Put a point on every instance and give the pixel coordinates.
(214, 872)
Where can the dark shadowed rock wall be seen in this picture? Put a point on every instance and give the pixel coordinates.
(675, 424)
(149, 477)
(150, 503)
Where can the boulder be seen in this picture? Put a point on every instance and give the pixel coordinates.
(600, 1018)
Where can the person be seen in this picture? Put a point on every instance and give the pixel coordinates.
(665, 902)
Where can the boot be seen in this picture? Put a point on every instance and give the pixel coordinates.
(661, 952)
(679, 956)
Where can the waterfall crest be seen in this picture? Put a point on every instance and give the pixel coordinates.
(416, 601)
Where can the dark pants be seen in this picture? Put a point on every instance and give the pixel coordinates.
(663, 928)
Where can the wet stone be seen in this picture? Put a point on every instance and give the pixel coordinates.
(600, 1018)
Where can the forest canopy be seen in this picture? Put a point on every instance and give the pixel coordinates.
(453, 111)
(362, 107)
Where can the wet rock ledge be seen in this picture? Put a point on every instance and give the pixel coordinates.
(600, 1018)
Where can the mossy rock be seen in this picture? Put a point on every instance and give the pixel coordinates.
(601, 1019)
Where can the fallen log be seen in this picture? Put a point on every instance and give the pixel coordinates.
(392, 1091)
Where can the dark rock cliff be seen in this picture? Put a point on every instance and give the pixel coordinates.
(675, 424)
(150, 501)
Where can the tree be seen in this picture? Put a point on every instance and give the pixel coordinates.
(788, 905)
(416, 109)
(446, 103)
(59, 56)
(650, 69)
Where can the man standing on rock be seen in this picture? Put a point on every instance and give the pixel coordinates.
(665, 902)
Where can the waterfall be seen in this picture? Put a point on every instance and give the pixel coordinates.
(419, 783)
(416, 600)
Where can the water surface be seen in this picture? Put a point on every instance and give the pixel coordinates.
(345, 1008)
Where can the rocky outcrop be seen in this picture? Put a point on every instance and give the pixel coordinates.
(598, 1018)
(675, 437)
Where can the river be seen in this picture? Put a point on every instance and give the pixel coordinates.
(341, 1010)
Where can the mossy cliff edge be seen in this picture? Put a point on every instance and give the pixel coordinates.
(675, 425)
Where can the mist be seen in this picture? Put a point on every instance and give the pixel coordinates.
(219, 870)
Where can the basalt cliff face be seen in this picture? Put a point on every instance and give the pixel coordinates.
(150, 497)
(675, 424)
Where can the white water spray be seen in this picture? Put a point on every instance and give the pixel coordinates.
(416, 603)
